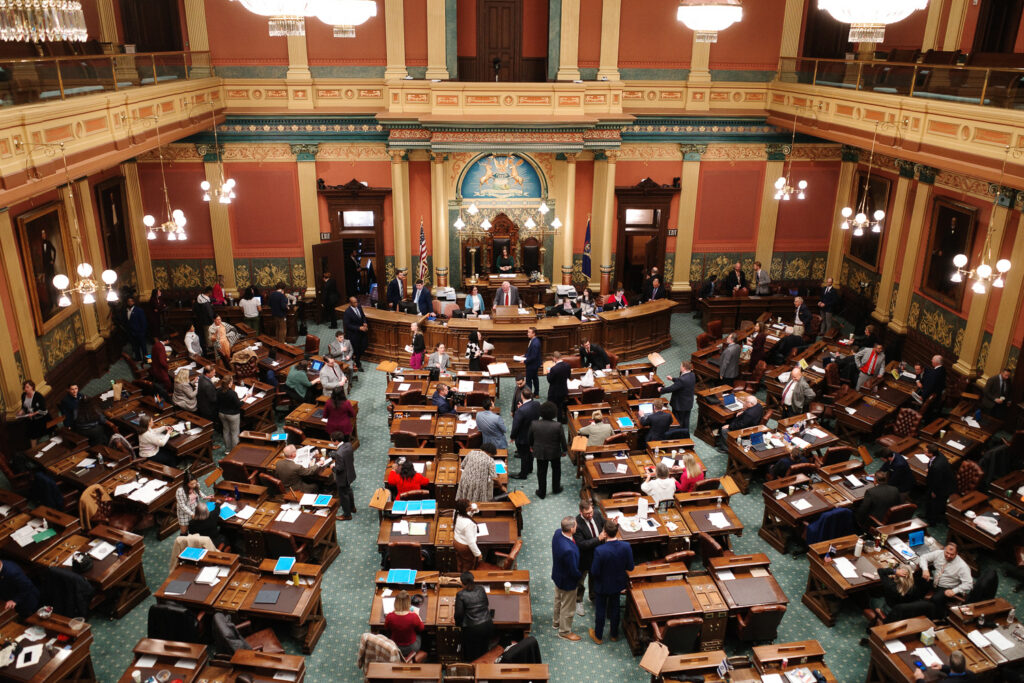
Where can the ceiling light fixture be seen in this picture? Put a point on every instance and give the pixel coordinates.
(345, 15)
(284, 17)
(174, 226)
(868, 18)
(37, 21)
(784, 189)
(225, 190)
(861, 220)
(707, 17)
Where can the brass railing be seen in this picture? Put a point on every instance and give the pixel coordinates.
(988, 86)
(44, 79)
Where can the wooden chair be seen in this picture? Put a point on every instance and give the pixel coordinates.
(760, 623)
(132, 365)
(618, 437)
(592, 395)
(411, 397)
(835, 454)
(476, 398)
(712, 484)
(312, 347)
(279, 544)
(681, 556)
(236, 471)
(753, 381)
(906, 424)
(404, 555)
(272, 483)
(506, 561)
(705, 340)
(418, 494)
(709, 547)
(741, 292)
(627, 494)
(678, 635)
(403, 439)
(715, 329)
(897, 513)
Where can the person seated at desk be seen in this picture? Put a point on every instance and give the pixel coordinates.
(797, 456)
(332, 377)
(90, 423)
(750, 416)
(661, 488)
(416, 348)
(734, 280)
(617, 300)
(659, 423)
(877, 500)
(192, 344)
(691, 474)
(782, 349)
(995, 397)
(956, 670)
(406, 479)
(903, 592)
(566, 306)
(593, 356)
(440, 359)
(656, 291)
(32, 411)
(440, 399)
(185, 389)
(152, 442)
(504, 262)
(473, 617)
(422, 298)
(588, 307)
(298, 385)
(952, 576)
(508, 295)
(404, 626)
(16, 590)
(707, 290)
(474, 301)
(598, 431)
(294, 476)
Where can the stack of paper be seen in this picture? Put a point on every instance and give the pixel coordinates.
(246, 512)
(927, 656)
(726, 575)
(845, 567)
(417, 528)
(101, 550)
(400, 528)
(895, 646)
(287, 516)
(149, 492)
(999, 640)
(572, 384)
(801, 504)
(208, 576)
(481, 530)
(978, 638)
(718, 520)
(125, 489)
(465, 386)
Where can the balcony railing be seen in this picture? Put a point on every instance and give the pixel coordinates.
(987, 86)
(23, 81)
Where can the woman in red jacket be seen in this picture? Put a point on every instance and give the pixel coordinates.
(406, 479)
(339, 413)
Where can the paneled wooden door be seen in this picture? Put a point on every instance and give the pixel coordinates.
(498, 40)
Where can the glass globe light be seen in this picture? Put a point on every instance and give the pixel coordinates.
(543, 208)
(847, 212)
(84, 270)
(151, 235)
(861, 218)
(472, 210)
(557, 223)
(876, 228)
(858, 232)
(486, 225)
(111, 295)
(88, 298)
(205, 185)
(802, 184)
(785, 197)
(60, 281)
(530, 223)
(64, 301)
(985, 271)
(978, 287)
(459, 223)
(879, 215)
(780, 183)
(1003, 265)
(845, 225)
(956, 277)
(998, 282)
(171, 237)
(959, 260)
(109, 277)
(148, 221)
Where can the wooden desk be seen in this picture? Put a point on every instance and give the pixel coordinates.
(899, 667)
(68, 469)
(167, 654)
(638, 330)
(965, 619)
(836, 475)
(969, 537)
(745, 461)
(703, 664)
(64, 526)
(827, 587)
(511, 673)
(916, 453)
(712, 416)
(200, 596)
(752, 583)
(63, 444)
(732, 310)
(512, 611)
(385, 672)
(61, 665)
(263, 667)
(868, 416)
(697, 518)
(661, 600)
(1006, 487)
(317, 529)
(791, 502)
(653, 535)
(804, 653)
(955, 437)
(388, 534)
(163, 506)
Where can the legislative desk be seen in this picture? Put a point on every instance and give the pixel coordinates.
(261, 667)
(826, 585)
(665, 667)
(530, 292)
(1006, 487)
(733, 310)
(746, 581)
(164, 655)
(43, 520)
(392, 529)
(386, 672)
(849, 479)
(916, 453)
(699, 510)
(637, 330)
(660, 528)
(130, 486)
(118, 578)
(657, 597)
(511, 673)
(955, 436)
(899, 666)
(316, 529)
(70, 661)
(965, 618)
(180, 317)
(62, 444)
(857, 415)
(780, 657)
(71, 471)
(961, 512)
(711, 414)
(620, 418)
(744, 461)
(789, 502)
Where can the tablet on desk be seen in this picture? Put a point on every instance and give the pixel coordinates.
(315, 365)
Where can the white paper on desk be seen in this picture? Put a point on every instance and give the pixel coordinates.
(465, 386)
(185, 664)
(388, 604)
(999, 640)
(481, 530)
(641, 504)
(87, 462)
(718, 520)
(955, 444)
(671, 526)
(771, 337)
(978, 638)
(252, 399)
(573, 384)
(145, 662)
(518, 588)
(851, 411)
(4, 510)
(425, 416)
(290, 516)
(246, 512)
(971, 422)
(818, 369)
(307, 499)
(223, 572)
(614, 514)
(29, 656)
(895, 646)
(783, 378)
(125, 489)
(420, 467)
(386, 592)
(846, 568)
(771, 678)
(417, 528)
(107, 395)
(462, 428)
(643, 379)
(401, 528)
(208, 576)
(817, 433)
(668, 462)
(523, 311)
(854, 481)
(922, 457)
(801, 504)
(519, 359)
(621, 468)
(242, 390)
(927, 656)
(759, 572)
(908, 375)
(403, 386)
(399, 379)
(726, 575)
(800, 443)
(23, 536)
(498, 369)
(285, 676)
(102, 550)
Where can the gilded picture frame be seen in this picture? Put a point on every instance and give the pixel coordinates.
(45, 244)
(952, 230)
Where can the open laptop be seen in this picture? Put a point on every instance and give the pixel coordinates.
(916, 538)
(757, 442)
(646, 409)
(729, 402)
(315, 365)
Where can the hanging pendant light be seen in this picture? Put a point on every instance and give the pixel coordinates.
(284, 17)
(175, 223)
(860, 220)
(707, 17)
(868, 18)
(784, 188)
(985, 275)
(345, 15)
(38, 21)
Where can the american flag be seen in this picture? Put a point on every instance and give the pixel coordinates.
(424, 271)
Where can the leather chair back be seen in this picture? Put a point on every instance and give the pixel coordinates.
(680, 635)
(404, 555)
(760, 623)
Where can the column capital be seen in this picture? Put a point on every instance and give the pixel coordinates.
(569, 157)
(1006, 197)
(305, 151)
(693, 151)
(850, 154)
(210, 153)
(777, 151)
(438, 157)
(926, 174)
(609, 155)
(398, 155)
(905, 168)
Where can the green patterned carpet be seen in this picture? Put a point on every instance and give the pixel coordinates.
(347, 585)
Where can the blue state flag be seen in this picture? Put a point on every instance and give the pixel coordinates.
(586, 251)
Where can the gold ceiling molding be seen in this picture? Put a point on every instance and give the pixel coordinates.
(951, 180)
(829, 152)
(725, 152)
(332, 151)
(652, 151)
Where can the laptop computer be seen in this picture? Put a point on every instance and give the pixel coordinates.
(915, 538)
(316, 365)
(729, 402)
(646, 409)
(757, 442)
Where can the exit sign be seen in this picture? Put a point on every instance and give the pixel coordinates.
(325, 236)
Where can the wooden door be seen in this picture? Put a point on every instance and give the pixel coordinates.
(642, 231)
(329, 257)
(498, 39)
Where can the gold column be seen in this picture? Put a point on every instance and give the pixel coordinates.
(955, 24)
(608, 67)
(437, 66)
(400, 208)
(1009, 308)
(305, 166)
(769, 220)
(10, 381)
(220, 224)
(910, 268)
(699, 81)
(30, 357)
(93, 253)
(298, 59)
(394, 36)
(930, 41)
(198, 37)
(439, 212)
(893, 226)
(967, 363)
(108, 25)
(603, 219)
(847, 173)
(564, 243)
(569, 43)
(791, 22)
(136, 230)
(690, 181)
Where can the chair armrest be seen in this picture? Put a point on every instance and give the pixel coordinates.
(656, 632)
(742, 619)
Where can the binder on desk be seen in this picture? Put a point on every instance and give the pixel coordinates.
(193, 554)
(406, 576)
(625, 422)
(655, 359)
(400, 507)
(284, 565)
(387, 366)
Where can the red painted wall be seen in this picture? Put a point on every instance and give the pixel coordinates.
(374, 173)
(652, 39)
(751, 44)
(806, 225)
(368, 48)
(415, 32)
(466, 25)
(728, 206)
(265, 216)
(908, 33)
(970, 24)
(590, 33)
(238, 37)
(419, 208)
(535, 28)
(183, 188)
(584, 205)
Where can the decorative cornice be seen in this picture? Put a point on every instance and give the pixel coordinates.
(1006, 197)
(850, 154)
(777, 151)
(926, 174)
(905, 168)
(304, 151)
(693, 151)
(209, 153)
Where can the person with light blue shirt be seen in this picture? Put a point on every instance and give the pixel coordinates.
(491, 426)
(474, 302)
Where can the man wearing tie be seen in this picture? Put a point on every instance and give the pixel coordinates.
(827, 304)
(729, 367)
(507, 295)
(870, 362)
(396, 291)
(421, 297)
(797, 393)
(356, 329)
(682, 388)
(532, 359)
(558, 378)
(996, 395)
(657, 291)
(802, 316)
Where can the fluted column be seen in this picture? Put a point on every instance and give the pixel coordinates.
(220, 224)
(564, 242)
(198, 37)
(910, 267)
(136, 230)
(30, 357)
(439, 213)
(955, 24)
(309, 211)
(394, 36)
(894, 237)
(847, 173)
(931, 38)
(298, 59)
(1009, 308)
(569, 42)
(603, 219)
(608, 66)
(437, 66)
(769, 219)
(400, 207)
(791, 22)
(10, 381)
(690, 181)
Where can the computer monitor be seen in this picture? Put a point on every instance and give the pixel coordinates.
(757, 438)
(646, 409)
(915, 538)
(727, 399)
(316, 365)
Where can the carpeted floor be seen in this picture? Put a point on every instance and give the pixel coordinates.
(347, 585)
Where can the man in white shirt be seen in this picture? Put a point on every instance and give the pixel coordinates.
(797, 393)
(331, 376)
(952, 576)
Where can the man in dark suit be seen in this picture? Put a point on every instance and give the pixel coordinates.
(203, 314)
(729, 361)
(648, 284)
(547, 442)
(939, 483)
(781, 350)
(344, 474)
(996, 395)
(355, 329)
(658, 423)
(17, 591)
(206, 394)
(137, 326)
(751, 415)
(532, 359)
(933, 380)
(612, 560)
(396, 291)
(440, 399)
(827, 304)
(558, 378)
(734, 280)
(292, 475)
(421, 297)
(656, 291)
(878, 500)
(517, 393)
(682, 388)
(524, 416)
(593, 356)
(278, 303)
(565, 573)
(589, 534)
(508, 295)
(329, 298)
(707, 290)
(898, 469)
(801, 315)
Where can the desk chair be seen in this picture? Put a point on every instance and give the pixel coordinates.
(712, 484)
(403, 439)
(476, 398)
(279, 544)
(678, 635)
(411, 397)
(709, 547)
(618, 437)
(592, 395)
(229, 638)
(418, 494)
(706, 339)
(760, 623)
(235, 471)
(752, 382)
(895, 514)
(505, 561)
(681, 556)
(715, 329)
(968, 476)
(835, 455)
(627, 494)
(907, 422)
(312, 347)
(272, 483)
(174, 622)
(404, 555)
(740, 293)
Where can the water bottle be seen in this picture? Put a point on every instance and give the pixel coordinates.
(99, 458)
(1011, 616)
(236, 492)
(858, 549)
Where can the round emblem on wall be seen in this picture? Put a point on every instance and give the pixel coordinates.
(349, 94)
(508, 100)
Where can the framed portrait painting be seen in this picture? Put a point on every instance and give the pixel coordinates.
(952, 232)
(110, 200)
(45, 251)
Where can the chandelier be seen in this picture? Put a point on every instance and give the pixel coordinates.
(707, 17)
(39, 21)
(85, 286)
(345, 15)
(288, 17)
(984, 274)
(784, 189)
(861, 220)
(868, 18)
(174, 226)
(479, 224)
(225, 190)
